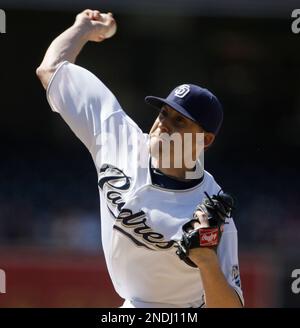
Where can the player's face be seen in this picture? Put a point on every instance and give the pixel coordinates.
(171, 125)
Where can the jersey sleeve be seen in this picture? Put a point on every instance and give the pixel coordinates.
(82, 100)
(92, 112)
(228, 258)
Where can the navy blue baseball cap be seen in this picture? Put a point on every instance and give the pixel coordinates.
(195, 103)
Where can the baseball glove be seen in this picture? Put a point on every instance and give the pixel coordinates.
(216, 208)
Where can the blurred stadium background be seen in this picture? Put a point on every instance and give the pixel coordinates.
(245, 51)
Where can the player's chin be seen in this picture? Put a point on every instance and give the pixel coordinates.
(154, 145)
(155, 138)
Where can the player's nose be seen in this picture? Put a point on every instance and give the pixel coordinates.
(164, 125)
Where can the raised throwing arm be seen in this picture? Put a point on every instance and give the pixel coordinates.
(89, 25)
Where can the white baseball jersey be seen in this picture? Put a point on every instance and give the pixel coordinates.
(140, 222)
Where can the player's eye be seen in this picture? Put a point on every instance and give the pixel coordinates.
(180, 120)
(163, 113)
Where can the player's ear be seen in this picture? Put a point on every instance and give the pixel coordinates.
(208, 139)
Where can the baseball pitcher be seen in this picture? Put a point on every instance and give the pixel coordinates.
(168, 235)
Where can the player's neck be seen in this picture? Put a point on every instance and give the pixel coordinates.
(175, 173)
